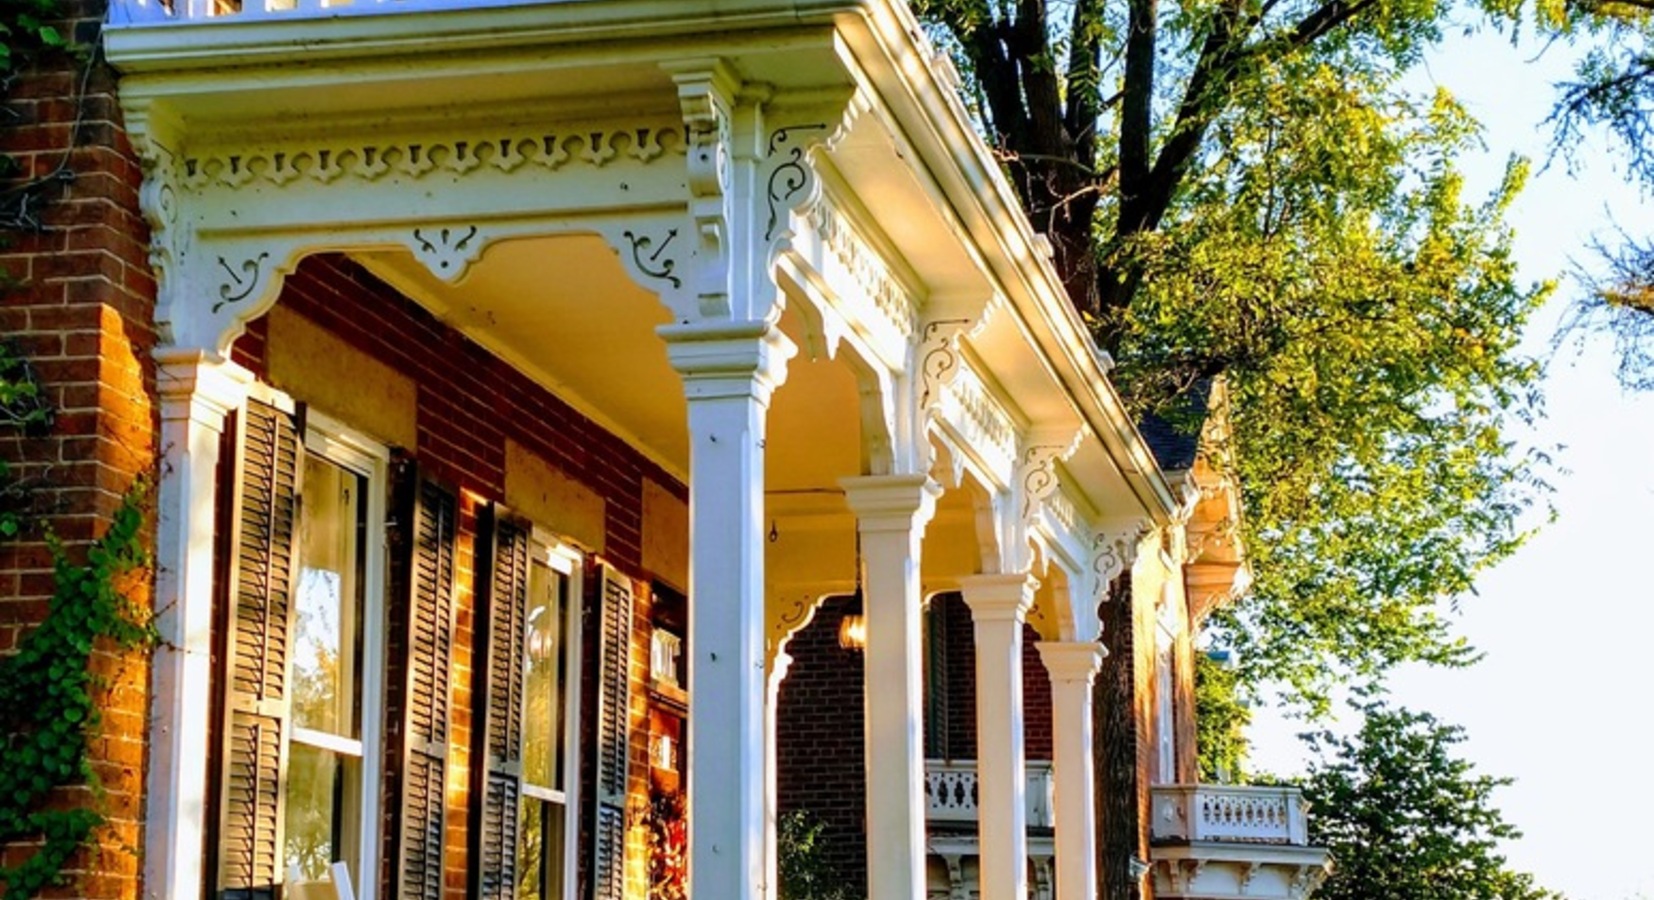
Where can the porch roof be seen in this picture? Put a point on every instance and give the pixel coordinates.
(267, 73)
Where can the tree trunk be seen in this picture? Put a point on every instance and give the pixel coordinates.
(1115, 750)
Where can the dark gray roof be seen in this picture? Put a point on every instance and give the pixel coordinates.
(1174, 438)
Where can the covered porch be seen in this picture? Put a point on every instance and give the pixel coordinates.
(760, 244)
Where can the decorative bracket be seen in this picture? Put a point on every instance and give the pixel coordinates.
(789, 176)
(447, 250)
(938, 359)
(705, 94)
(1036, 475)
(1114, 551)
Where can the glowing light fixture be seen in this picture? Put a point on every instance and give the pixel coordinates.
(852, 632)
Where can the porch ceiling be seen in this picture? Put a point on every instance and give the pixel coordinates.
(562, 310)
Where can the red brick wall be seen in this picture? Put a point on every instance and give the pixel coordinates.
(470, 402)
(958, 661)
(819, 740)
(84, 315)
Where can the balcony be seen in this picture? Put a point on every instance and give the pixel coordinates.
(950, 792)
(1215, 841)
(951, 813)
(146, 11)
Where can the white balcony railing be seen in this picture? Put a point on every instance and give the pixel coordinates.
(1226, 813)
(950, 792)
(156, 11)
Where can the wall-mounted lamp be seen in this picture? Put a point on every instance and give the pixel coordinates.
(852, 632)
(1139, 868)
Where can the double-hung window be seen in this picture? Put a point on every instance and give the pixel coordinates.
(550, 656)
(524, 788)
(302, 652)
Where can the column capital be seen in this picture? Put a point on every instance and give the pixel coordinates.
(891, 502)
(1071, 661)
(999, 597)
(728, 359)
(199, 385)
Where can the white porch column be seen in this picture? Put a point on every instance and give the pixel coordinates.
(891, 514)
(999, 606)
(730, 370)
(1072, 667)
(196, 393)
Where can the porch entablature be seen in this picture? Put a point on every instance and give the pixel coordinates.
(763, 127)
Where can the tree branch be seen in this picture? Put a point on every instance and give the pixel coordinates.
(1137, 103)
(1084, 80)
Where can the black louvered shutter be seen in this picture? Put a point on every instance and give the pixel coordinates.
(421, 655)
(497, 768)
(613, 733)
(257, 623)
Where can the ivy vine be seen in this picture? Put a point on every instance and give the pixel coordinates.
(49, 715)
(48, 709)
(48, 690)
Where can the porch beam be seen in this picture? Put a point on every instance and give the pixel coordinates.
(999, 606)
(730, 370)
(197, 391)
(1072, 667)
(891, 514)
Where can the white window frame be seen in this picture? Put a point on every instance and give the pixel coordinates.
(341, 445)
(566, 560)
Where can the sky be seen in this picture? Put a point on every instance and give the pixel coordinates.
(1563, 701)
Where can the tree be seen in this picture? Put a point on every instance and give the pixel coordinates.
(1613, 89)
(1241, 189)
(1221, 717)
(1406, 818)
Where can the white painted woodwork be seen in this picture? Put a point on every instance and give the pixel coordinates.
(950, 792)
(891, 514)
(1072, 667)
(196, 393)
(1219, 840)
(1226, 812)
(729, 373)
(999, 606)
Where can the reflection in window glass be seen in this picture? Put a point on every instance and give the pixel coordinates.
(314, 785)
(325, 756)
(540, 833)
(543, 680)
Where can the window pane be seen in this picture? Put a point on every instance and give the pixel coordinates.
(315, 785)
(540, 851)
(328, 608)
(543, 684)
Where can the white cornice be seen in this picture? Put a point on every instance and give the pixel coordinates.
(876, 43)
(428, 29)
(931, 114)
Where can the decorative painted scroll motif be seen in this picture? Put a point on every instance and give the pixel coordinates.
(650, 256)
(1114, 552)
(1037, 477)
(938, 359)
(241, 280)
(789, 176)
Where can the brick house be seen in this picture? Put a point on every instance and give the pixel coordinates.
(519, 378)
